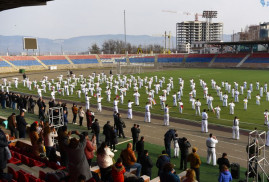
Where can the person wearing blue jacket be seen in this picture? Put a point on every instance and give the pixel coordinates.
(225, 175)
(161, 161)
(168, 174)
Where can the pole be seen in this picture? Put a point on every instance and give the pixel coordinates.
(124, 32)
(165, 41)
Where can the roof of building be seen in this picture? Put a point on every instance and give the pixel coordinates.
(240, 42)
(10, 4)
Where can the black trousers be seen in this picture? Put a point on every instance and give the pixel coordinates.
(13, 131)
(197, 173)
(121, 132)
(80, 121)
(106, 174)
(75, 118)
(183, 162)
(135, 140)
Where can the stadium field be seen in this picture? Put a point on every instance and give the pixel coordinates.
(249, 119)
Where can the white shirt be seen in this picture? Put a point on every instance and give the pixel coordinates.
(204, 116)
(147, 108)
(211, 142)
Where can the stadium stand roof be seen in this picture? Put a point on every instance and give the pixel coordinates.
(239, 43)
(10, 4)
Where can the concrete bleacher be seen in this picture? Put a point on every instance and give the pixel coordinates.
(22, 60)
(198, 60)
(228, 60)
(53, 60)
(174, 58)
(257, 60)
(142, 59)
(84, 59)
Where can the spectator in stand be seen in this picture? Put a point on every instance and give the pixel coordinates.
(41, 148)
(135, 135)
(168, 174)
(21, 124)
(65, 119)
(190, 176)
(34, 138)
(184, 146)
(89, 149)
(118, 171)
(3, 156)
(195, 162)
(78, 164)
(105, 161)
(63, 140)
(93, 140)
(107, 132)
(223, 161)
(75, 113)
(113, 139)
(96, 130)
(161, 161)
(42, 115)
(89, 118)
(129, 159)
(12, 125)
(225, 175)
(49, 134)
(146, 163)
(140, 148)
(81, 114)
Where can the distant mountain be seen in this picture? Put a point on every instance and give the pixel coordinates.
(14, 44)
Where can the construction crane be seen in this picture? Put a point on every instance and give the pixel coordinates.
(166, 36)
(196, 15)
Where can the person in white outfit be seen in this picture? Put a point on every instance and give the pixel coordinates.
(204, 121)
(87, 100)
(176, 146)
(115, 104)
(258, 100)
(266, 114)
(245, 103)
(267, 139)
(130, 110)
(180, 104)
(99, 103)
(147, 112)
(211, 149)
(236, 128)
(136, 95)
(217, 110)
(232, 105)
(166, 115)
(197, 107)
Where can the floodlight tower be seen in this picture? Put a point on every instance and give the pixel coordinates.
(209, 15)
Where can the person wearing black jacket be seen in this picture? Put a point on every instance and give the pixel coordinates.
(120, 126)
(113, 139)
(184, 146)
(107, 132)
(3, 100)
(161, 161)
(140, 148)
(146, 163)
(14, 101)
(223, 161)
(96, 130)
(135, 134)
(115, 116)
(168, 137)
(3, 155)
(21, 124)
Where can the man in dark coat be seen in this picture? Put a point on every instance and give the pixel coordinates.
(115, 116)
(135, 134)
(184, 146)
(96, 130)
(107, 132)
(140, 148)
(3, 156)
(161, 161)
(146, 163)
(12, 125)
(21, 124)
(120, 126)
(223, 161)
(168, 137)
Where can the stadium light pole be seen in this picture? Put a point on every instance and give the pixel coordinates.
(124, 32)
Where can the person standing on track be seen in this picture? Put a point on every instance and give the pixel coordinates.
(211, 151)
(204, 122)
(236, 128)
(166, 115)
(130, 111)
(147, 113)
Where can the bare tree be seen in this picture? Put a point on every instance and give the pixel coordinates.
(94, 49)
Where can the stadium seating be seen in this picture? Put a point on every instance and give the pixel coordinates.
(145, 59)
(53, 60)
(84, 59)
(22, 60)
(228, 60)
(4, 64)
(177, 58)
(120, 60)
(110, 56)
(257, 60)
(14, 173)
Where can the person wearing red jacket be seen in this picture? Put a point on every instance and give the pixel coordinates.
(118, 171)
(89, 149)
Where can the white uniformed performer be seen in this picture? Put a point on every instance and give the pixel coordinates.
(136, 95)
(174, 99)
(266, 114)
(115, 102)
(108, 93)
(225, 100)
(258, 98)
(53, 95)
(217, 110)
(130, 111)
(267, 139)
(232, 105)
(236, 128)
(99, 104)
(211, 149)
(180, 104)
(197, 107)
(210, 102)
(245, 103)
(204, 121)
(39, 92)
(267, 96)
(166, 115)
(87, 100)
(249, 94)
(147, 112)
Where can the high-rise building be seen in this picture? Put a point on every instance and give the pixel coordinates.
(189, 32)
(264, 31)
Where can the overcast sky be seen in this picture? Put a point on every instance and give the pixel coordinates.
(71, 18)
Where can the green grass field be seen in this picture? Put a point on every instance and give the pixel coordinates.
(249, 119)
